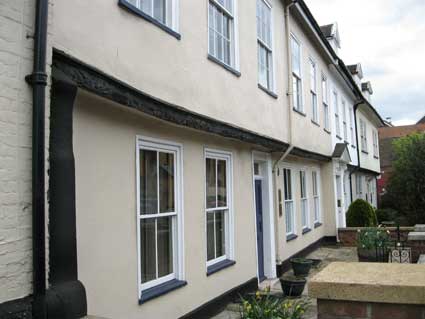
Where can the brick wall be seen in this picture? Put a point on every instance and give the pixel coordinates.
(337, 309)
(16, 58)
(348, 236)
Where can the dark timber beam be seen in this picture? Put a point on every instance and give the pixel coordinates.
(95, 81)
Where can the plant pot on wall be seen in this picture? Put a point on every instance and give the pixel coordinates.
(301, 266)
(292, 286)
(372, 255)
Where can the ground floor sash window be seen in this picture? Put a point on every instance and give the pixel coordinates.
(218, 206)
(159, 212)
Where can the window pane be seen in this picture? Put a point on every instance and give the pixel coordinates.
(219, 233)
(159, 10)
(295, 92)
(165, 246)
(148, 182)
(166, 182)
(219, 37)
(146, 6)
(288, 217)
(148, 249)
(210, 236)
(211, 183)
(262, 73)
(221, 184)
(296, 67)
(211, 29)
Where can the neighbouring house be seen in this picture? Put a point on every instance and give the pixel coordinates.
(178, 153)
(387, 135)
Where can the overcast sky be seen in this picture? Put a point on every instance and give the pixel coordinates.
(388, 38)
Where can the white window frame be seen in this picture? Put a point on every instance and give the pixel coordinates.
(313, 91)
(228, 218)
(325, 102)
(375, 143)
(344, 121)
(148, 143)
(304, 206)
(292, 228)
(233, 34)
(269, 50)
(336, 110)
(173, 14)
(363, 135)
(359, 186)
(353, 140)
(298, 78)
(316, 196)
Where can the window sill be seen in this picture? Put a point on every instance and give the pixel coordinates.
(131, 8)
(315, 123)
(338, 137)
(271, 93)
(353, 146)
(219, 266)
(291, 237)
(160, 290)
(327, 131)
(365, 152)
(227, 67)
(299, 112)
(306, 230)
(375, 157)
(317, 224)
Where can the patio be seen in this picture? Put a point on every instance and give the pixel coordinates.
(326, 254)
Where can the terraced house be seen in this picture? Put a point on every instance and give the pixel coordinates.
(188, 149)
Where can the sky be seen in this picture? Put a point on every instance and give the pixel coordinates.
(388, 38)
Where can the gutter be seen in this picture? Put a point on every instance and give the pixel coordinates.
(38, 81)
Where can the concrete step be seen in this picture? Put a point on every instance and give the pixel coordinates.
(420, 228)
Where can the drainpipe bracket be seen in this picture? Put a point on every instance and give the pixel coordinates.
(36, 78)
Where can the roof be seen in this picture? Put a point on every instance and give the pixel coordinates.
(367, 86)
(327, 30)
(341, 152)
(356, 69)
(421, 121)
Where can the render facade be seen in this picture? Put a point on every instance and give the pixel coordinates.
(188, 156)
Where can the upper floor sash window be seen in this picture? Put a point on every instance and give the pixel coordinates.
(325, 93)
(297, 89)
(336, 107)
(363, 135)
(344, 121)
(221, 31)
(265, 45)
(351, 115)
(313, 91)
(375, 143)
(160, 10)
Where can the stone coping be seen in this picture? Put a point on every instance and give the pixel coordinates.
(402, 228)
(370, 282)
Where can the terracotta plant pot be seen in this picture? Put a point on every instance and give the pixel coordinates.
(292, 286)
(301, 266)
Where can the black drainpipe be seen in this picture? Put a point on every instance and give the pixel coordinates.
(38, 81)
(358, 150)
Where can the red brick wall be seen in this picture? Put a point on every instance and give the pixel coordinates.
(348, 236)
(337, 309)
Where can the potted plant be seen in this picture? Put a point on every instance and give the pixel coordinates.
(263, 305)
(372, 244)
(301, 266)
(292, 286)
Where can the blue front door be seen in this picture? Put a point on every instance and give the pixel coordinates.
(259, 213)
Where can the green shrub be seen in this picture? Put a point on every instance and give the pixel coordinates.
(361, 214)
(386, 215)
(373, 237)
(265, 306)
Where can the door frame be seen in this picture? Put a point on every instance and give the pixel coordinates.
(269, 244)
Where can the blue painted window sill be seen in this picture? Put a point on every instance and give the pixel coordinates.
(271, 93)
(160, 290)
(220, 266)
(131, 8)
(306, 230)
(327, 131)
(291, 237)
(317, 224)
(299, 112)
(224, 65)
